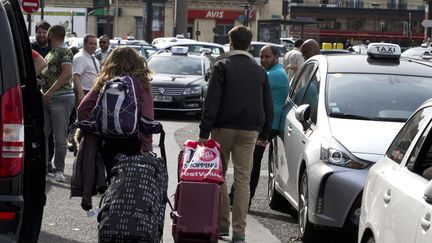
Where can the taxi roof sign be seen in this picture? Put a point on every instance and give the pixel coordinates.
(384, 50)
(179, 50)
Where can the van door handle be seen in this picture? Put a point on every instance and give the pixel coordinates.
(387, 196)
(426, 221)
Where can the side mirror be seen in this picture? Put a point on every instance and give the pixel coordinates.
(207, 75)
(428, 193)
(302, 113)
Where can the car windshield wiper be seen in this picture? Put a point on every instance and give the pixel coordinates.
(349, 116)
(359, 117)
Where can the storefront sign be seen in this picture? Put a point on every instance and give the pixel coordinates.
(217, 14)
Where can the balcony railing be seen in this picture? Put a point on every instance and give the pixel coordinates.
(359, 4)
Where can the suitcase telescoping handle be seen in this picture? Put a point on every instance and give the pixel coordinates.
(162, 145)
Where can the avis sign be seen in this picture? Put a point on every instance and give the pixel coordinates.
(30, 6)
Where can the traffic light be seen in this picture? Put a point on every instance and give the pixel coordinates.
(285, 7)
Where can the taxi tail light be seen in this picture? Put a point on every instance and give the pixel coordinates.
(12, 133)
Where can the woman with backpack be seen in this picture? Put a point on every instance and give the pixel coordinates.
(122, 62)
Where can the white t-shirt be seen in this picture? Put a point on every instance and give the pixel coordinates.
(84, 66)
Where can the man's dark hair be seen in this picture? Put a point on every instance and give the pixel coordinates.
(87, 36)
(57, 31)
(298, 43)
(240, 37)
(42, 24)
(104, 36)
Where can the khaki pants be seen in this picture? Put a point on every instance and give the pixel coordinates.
(240, 144)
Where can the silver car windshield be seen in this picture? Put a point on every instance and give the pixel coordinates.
(175, 65)
(376, 96)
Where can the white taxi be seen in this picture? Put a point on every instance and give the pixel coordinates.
(341, 114)
(397, 199)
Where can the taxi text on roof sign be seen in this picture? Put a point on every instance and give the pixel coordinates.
(384, 50)
(181, 50)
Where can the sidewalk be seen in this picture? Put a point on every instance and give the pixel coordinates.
(255, 232)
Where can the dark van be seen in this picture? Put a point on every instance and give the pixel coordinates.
(22, 158)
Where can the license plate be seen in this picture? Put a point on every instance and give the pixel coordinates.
(162, 98)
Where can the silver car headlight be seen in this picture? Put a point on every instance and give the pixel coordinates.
(192, 90)
(332, 152)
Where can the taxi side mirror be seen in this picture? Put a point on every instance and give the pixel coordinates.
(207, 75)
(428, 193)
(302, 114)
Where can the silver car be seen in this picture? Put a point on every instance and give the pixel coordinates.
(341, 114)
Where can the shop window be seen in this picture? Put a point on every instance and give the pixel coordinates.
(356, 24)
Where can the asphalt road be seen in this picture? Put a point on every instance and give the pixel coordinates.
(65, 221)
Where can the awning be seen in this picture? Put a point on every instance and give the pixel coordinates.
(101, 12)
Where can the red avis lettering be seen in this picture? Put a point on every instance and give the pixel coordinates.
(215, 14)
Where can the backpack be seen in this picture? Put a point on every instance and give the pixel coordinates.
(116, 113)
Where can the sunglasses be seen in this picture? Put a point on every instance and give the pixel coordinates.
(103, 42)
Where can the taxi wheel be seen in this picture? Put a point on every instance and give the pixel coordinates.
(276, 200)
(308, 231)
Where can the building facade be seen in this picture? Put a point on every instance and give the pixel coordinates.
(396, 21)
(210, 20)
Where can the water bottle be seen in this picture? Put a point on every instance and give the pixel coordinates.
(93, 212)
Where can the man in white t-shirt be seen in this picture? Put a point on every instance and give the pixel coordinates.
(85, 68)
(293, 59)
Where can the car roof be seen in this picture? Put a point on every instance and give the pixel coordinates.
(187, 43)
(170, 54)
(363, 64)
(266, 43)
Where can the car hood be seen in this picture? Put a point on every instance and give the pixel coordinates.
(176, 79)
(367, 140)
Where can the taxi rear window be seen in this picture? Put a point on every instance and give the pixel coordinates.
(376, 96)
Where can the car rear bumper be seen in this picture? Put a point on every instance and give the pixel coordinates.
(10, 228)
(335, 195)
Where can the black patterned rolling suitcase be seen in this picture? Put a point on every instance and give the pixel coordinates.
(133, 208)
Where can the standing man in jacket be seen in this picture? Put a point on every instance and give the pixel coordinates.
(238, 110)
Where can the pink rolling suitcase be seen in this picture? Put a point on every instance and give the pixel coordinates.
(197, 212)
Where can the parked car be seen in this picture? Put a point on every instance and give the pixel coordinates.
(341, 114)
(144, 50)
(178, 38)
(397, 200)
(22, 158)
(180, 80)
(420, 53)
(194, 47)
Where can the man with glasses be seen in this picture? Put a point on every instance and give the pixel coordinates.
(102, 53)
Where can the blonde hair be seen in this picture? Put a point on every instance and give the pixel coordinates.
(123, 61)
